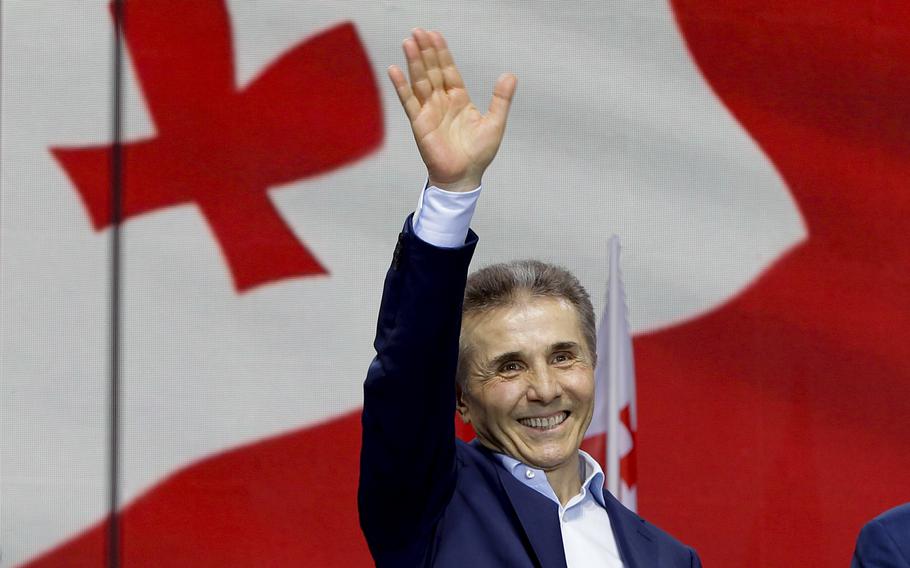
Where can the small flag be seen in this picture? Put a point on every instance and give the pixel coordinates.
(611, 435)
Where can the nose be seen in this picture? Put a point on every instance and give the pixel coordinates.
(544, 386)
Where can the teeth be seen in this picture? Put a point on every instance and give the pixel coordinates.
(545, 423)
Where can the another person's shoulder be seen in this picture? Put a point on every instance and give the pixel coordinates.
(885, 540)
(897, 518)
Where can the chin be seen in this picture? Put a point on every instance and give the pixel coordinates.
(550, 458)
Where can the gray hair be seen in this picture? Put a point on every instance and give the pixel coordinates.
(505, 283)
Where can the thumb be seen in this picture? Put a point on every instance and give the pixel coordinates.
(502, 97)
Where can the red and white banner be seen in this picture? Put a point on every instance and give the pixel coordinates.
(752, 154)
(611, 436)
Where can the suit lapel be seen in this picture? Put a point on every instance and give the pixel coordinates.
(539, 518)
(633, 538)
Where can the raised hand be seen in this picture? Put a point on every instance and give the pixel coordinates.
(455, 140)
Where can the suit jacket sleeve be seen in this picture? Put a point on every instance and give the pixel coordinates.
(407, 460)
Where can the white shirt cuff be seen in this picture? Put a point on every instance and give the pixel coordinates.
(442, 218)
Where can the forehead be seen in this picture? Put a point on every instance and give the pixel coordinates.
(530, 324)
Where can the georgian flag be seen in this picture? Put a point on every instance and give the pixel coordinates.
(610, 438)
(752, 154)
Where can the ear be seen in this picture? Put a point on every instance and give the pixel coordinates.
(460, 404)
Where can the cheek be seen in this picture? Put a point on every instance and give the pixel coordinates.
(500, 398)
(581, 385)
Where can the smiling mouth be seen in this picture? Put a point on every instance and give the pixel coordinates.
(545, 422)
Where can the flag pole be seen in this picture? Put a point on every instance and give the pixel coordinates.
(614, 313)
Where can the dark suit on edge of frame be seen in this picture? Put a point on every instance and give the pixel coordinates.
(427, 499)
(884, 542)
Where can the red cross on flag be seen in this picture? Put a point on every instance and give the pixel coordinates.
(215, 142)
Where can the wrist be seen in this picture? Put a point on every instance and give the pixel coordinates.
(462, 185)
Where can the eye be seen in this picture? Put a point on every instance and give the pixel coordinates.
(562, 357)
(510, 368)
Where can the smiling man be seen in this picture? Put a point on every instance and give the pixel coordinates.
(511, 347)
(526, 368)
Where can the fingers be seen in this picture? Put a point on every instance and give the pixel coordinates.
(450, 75)
(430, 65)
(502, 97)
(420, 83)
(408, 101)
(428, 54)
(431, 68)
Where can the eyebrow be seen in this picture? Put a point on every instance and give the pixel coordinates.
(564, 346)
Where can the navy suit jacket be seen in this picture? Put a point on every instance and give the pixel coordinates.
(427, 499)
(884, 542)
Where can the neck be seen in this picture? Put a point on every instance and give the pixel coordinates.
(566, 480)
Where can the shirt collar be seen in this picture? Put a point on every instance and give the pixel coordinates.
(537, 479)
(594, 477)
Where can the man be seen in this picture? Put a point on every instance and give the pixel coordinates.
(884, 542)
(514, 352)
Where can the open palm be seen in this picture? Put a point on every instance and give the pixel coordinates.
(456, 141)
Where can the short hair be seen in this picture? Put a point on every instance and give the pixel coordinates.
(505, 283)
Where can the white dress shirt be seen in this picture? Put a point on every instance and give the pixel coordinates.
(442, 218)
(587, 536)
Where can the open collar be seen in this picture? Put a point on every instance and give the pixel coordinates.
(539, 518)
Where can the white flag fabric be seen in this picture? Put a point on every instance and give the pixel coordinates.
(611, 437)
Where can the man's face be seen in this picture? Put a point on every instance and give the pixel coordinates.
(529, 388)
